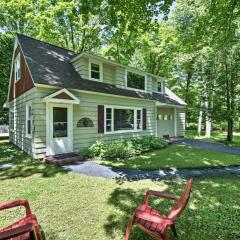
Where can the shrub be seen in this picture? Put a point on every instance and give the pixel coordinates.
(148, 143)
(122, 149)
(97, 149)
(119, 149)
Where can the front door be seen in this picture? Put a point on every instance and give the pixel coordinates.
(60, 129)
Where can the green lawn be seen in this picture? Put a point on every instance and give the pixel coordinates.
(176, 156)
(73, 206)
(216, 137)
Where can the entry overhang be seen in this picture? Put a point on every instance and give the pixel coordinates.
(62, 96)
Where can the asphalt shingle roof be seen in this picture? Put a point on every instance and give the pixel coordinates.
(50, 65)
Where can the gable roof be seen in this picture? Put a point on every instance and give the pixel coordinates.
(51, 65)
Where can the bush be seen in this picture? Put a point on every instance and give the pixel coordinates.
(119, 149)
(148, 143)
(122, 149)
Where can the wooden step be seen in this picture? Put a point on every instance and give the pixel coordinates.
(64, 159)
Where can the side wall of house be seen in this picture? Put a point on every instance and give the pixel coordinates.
(88, 107)
(180, 121)
(18, 135)
(21, 93)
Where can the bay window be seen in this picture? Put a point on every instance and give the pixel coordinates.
(122, 119)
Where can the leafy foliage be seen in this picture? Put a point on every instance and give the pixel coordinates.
(122, 149)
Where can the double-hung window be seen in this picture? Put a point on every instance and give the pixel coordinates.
(122, 119)
(95, 71)
(17, 68)
(28, 120)
(136, 81)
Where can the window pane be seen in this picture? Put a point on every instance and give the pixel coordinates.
(139, 119)
(123, 119)
(135, 81)
(108, 125)
(165, 117)
(29, 112)
(95, 75)
(29, 127)
(159, 87)
(60, 122)
(109, 113)
(95, 67)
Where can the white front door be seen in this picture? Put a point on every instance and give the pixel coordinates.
(59, 129)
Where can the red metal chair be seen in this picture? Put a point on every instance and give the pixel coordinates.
(154, 222)
(24, 229)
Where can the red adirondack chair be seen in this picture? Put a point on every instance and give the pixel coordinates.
(154, 222)
(24, 229)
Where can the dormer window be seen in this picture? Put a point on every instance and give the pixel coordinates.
(136, 81)
(160, 87)
(95, 71)
(17, 69)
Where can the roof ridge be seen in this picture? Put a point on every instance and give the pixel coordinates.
(20, 34)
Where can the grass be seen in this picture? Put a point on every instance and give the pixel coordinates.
(74, 206)
(216, 136)
(176, 156)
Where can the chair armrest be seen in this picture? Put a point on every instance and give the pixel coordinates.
(18, 231)
(159, 194)
(17, 203)
(153, 218)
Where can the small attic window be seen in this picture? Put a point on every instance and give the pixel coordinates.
(160, 87)
(17, 69)
(95, 71)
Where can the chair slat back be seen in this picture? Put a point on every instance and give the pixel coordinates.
(177, 209)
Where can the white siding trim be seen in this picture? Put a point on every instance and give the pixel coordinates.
(175, 122)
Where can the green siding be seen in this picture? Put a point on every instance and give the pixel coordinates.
(180, 121)
(83, 137)
(18, 136)
(111, 74)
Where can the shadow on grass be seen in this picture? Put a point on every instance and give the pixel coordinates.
(19, 164)
(208, 209)
(125, 202)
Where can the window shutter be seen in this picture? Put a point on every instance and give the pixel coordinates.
(100, 118)
(144, 119)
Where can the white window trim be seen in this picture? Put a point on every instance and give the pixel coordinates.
(17, 59)
(26, 124)
(112, 122)
(145, 81)
(100, 69)
(162, 86)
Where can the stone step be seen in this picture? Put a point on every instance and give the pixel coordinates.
(63, 159)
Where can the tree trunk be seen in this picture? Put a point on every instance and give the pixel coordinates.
(199, 122)
(230, 129)
(208, 121)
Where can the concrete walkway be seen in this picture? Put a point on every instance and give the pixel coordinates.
(219, 147)
(96, 170)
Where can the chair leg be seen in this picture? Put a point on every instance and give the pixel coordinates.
(173, 227)
(165, 237)
(129, 227)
